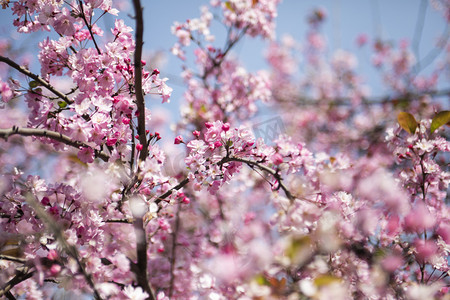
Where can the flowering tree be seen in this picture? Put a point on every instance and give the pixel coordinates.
(349, 202)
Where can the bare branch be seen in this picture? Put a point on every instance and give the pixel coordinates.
(37, 78)
(124, 221)
(5, 133)
(140, 267)
(21, 275)
(174, 248)
(271, 171)
(169, 192)
(138, 79)
(83, 16)
(13, 258)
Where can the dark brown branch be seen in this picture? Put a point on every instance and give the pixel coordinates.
(169, 192)
(418, 31)
(140, 267)
(83, 16)
(37, 78)
(174, 248)
(124, 221)
(21, 275)
(271, 171)
(10, 296)
(138, 79)
(5, 133)
(12, 258)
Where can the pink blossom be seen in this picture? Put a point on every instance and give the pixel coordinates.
(178, 140)
(63, 23)
(86, 155)
(362, 39)
(425, 249)
(6, 92)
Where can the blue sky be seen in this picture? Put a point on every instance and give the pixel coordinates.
(392, 20)
(347, 19)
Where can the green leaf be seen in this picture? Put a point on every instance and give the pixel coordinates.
(298, 245)
(62, 104)
(440, 119)
(261, 280)
(326, 280)
(33, 84)
(407, 122)
(229, 6)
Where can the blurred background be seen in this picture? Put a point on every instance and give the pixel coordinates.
(415, 21)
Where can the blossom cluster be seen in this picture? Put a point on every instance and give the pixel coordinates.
(345, 203)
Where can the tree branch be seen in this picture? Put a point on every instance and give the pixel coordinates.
(271, 171)
(174, 248)
(169, 192)
(37, 78)
(141, 250)
(83, 16)
(138, 79)
(21, 275)
(305, 101)
(5, 133)
(123, 221)
(12, 258)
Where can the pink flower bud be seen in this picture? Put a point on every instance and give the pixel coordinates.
(178, 140)
(139, 147)
(226, 126)
(54, 210)
(217, 144)
(55, 269)
(52, 254)
(125, 121)
(45, 201)
(111, 141)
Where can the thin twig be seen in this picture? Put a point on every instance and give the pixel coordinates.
(5, 133)
(271, 171)
(37, 78)
(124, 221)
(13, 258)
(83, 16)
(169, 192)
(21, 275)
